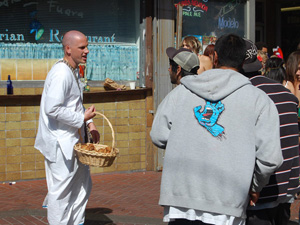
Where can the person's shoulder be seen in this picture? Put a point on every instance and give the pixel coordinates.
(205, 63)
(259, 84)
(274, 90)
(290, 86)
(204, 58)
(177, 90)
(60, 67)
(265, 82)
(59, 71)
(262, 82)
(261, 79)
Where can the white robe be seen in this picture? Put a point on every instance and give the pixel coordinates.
(61, 115)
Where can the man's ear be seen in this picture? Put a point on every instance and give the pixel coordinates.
(178, 74)
(215, 59)
(178, 70)
(68, 50)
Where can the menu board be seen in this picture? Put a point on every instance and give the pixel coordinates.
(40, 21)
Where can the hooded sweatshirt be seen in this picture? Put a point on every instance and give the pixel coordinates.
(221, 136)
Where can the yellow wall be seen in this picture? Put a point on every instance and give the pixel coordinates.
(127, 114)
(25, 69)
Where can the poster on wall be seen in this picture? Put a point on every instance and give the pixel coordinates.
(209, 19)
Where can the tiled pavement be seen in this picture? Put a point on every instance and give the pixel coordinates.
(116, 199)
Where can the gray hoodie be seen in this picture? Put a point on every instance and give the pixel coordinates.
(221, 136)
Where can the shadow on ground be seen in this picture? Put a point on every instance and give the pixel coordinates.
(97, 216)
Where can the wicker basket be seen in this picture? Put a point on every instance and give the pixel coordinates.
(94, 158)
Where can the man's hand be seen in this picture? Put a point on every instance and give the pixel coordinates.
(253, 197)
(89, 113)
(94, 132)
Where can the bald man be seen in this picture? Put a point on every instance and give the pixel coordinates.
(62, 117)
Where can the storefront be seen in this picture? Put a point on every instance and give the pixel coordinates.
(30, 43)
(127, 42)
(31, 34)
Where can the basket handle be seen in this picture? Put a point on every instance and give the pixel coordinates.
(112, 130)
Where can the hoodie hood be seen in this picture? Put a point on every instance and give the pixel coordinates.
(215, 84)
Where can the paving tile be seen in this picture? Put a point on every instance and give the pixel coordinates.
(116, 199)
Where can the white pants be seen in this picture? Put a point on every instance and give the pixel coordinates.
(69, 187)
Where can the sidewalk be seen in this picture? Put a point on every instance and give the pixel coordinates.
(116, 199)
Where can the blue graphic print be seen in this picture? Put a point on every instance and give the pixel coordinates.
(209, 116)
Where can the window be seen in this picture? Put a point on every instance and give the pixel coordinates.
(31, 33)
(209, 19)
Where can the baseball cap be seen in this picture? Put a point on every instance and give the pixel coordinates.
(251, 63)
(183, 57)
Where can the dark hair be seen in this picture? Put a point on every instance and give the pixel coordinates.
(174, 65)
(193, 71)
(231, 50)
(260, 45)
(275, 69)
(209, 50)
(292, 65)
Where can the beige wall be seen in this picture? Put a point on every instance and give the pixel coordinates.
(127, 114)
(25, 69)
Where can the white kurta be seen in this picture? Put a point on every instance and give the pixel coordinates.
(61, 115)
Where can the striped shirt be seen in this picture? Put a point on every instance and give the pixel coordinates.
(285, 181)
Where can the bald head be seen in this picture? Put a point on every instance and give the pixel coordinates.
(75, 45)
(71, 36)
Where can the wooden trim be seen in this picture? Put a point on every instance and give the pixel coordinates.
(93, 96)
(149, 54)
